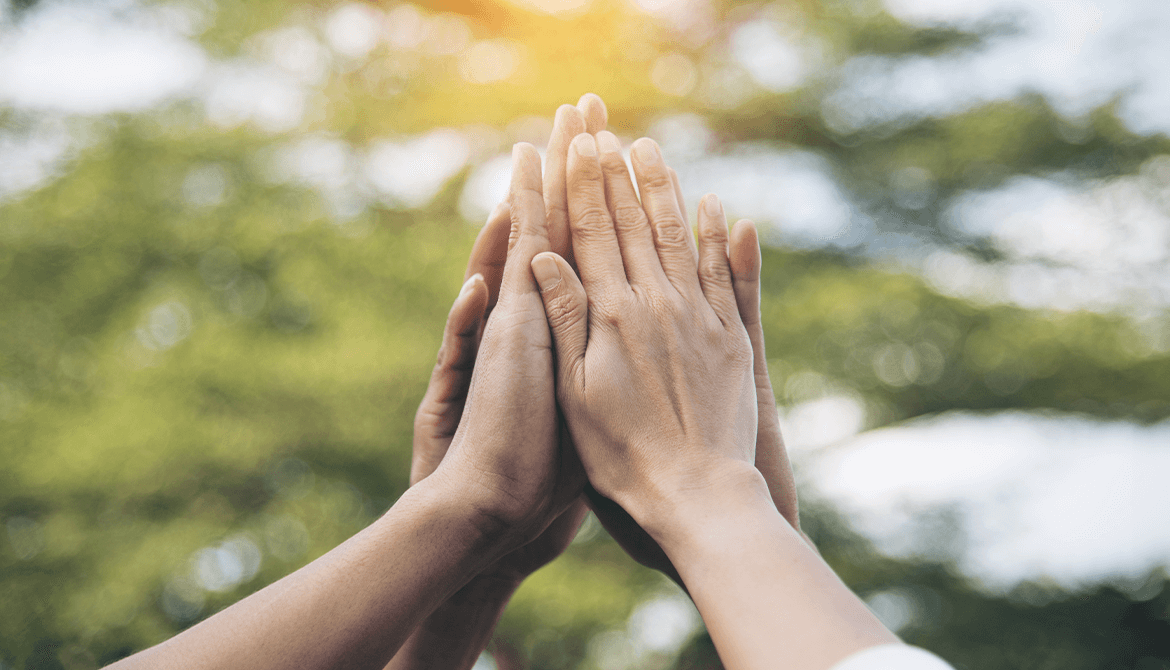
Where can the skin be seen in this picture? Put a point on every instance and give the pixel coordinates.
(504, 480)
(458, 631)
(497, 481)
(657, 382)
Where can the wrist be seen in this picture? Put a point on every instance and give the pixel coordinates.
(678, 514)
(481, 536)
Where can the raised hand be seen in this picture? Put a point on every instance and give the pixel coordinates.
(455, 633)
(655, 377)
(771, 458)
(656, 354)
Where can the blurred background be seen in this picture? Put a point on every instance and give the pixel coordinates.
(230, 233)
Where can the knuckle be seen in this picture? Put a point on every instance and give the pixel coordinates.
(607, 310)
(562, 311)
(613, 164)
(715, 268)
(513, 233)
(629, 215)
(665, 304)
(657, 180)
(671, 232)
(591, 220)
(584, 176)
(713, 234)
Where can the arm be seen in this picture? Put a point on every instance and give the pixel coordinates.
(504, 479)
(651, 331)
(353, 606)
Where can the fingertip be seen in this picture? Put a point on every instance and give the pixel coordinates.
(744, 231)
(608, 143)
(593, 110)
(745, 251)
(712, 209)
(469, 306)
(546, 271)
(585, 145)
(470, 284)
(526, 170)
(523, 151)
(646, 152)
(569, 120)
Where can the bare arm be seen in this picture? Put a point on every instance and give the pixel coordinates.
(656, 379)
(504, 479)
(353, 606)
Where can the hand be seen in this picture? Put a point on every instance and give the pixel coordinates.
(455, 633)
(655, 380)
(439, 413)
(656, 354)
(771, 457)
(441, 409)
(523, 489)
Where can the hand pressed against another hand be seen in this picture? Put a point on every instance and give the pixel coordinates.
(507, 456)
(459, 629)
(442, 407)
(656, 354)
(771, 457)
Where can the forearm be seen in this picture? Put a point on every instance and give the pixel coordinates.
(455, 634)
(764, 594)
(351, 608)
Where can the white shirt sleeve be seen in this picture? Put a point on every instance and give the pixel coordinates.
(893, 657)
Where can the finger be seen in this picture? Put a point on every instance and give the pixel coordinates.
(528, 234)
(678, 193)
(594, 112)
(567, 310)
(771, 456)
(682, 209)
(629, 220)
(567, 124)
(490, 251)
(670, 230)
(456, 357)
(442, 406)
(714, 268)
(595, 245)
(744, 261)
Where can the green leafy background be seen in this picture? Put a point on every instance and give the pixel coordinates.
(175, 377)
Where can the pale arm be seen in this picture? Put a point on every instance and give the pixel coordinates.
(653, 330)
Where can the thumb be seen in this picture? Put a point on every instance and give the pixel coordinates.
(566, 308)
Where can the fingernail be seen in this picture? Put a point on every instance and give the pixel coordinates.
(647, 152)
(470, 283)
(608, 143)
(711, 206)
(547, 274)
(585, 145)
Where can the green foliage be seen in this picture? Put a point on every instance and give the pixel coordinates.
(175, 376)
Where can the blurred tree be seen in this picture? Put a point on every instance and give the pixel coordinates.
(210, 356)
